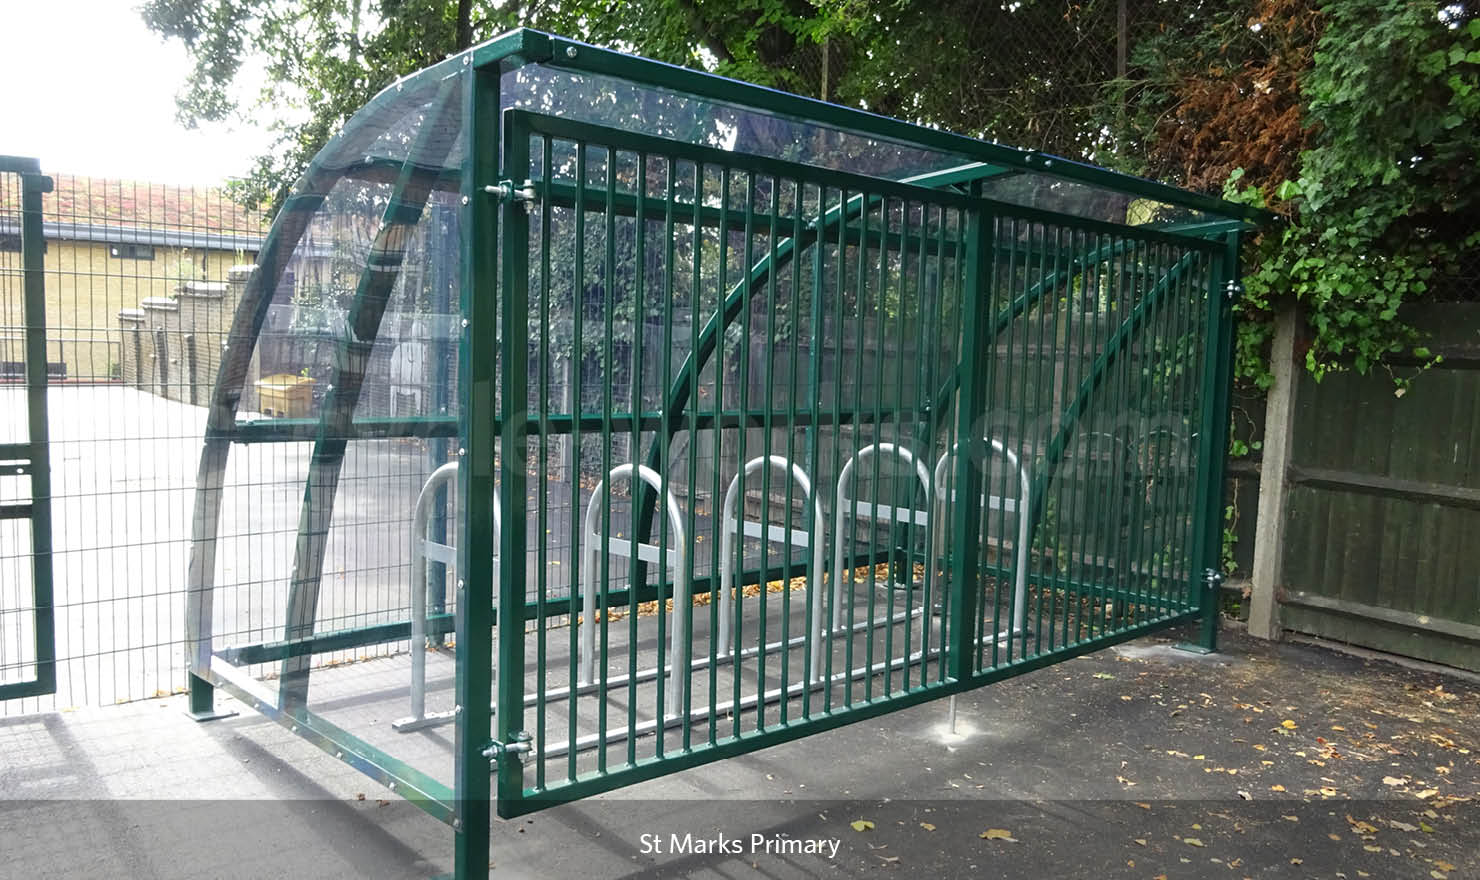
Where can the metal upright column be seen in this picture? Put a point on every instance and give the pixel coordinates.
(32, 457)
(965, 568)
(477, 427)
(1223, 286)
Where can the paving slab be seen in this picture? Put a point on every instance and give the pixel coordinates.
(1260, 761)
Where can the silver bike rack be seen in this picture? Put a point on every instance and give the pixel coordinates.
(424, 549)
(676, 561)
(733, 522)
(946, 494)
(847, 507)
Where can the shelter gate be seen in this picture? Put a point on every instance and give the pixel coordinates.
(721, 417)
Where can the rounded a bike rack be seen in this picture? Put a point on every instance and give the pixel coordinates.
(847, 507)
(946, 494)
(422, 550)
(677, 561)
(733, 522)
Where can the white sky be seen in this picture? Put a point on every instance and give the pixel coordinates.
(86, 88)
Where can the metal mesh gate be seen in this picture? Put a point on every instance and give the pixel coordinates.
(997, 478)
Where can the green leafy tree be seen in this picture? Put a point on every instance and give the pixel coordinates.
(1387, 195)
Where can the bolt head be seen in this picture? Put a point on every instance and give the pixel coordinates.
(464, 200)
(570, 51)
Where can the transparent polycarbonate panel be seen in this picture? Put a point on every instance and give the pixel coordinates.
(605, 100)
(1049, 193)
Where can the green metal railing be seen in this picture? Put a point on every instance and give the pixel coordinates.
(783, 257)
(28, 660)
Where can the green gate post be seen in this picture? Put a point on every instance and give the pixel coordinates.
(513, 448)
(1223, 286)
(476, 384)
(33, 245)
(960, 641)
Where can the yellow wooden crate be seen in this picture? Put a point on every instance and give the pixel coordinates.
(285, 396)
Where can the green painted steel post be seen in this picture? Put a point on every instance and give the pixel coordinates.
(477, 360)
(1223, 284)
(32, 261)
(513, 470)
(976, 294)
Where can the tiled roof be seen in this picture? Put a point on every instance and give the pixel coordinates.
(97, 201)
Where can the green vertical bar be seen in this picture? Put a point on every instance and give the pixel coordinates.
(33, 256)
(1217, 378)
(577, 408)
(639, 318)
(665, 439)
(830, 612)
(514, 468)
(966, 512)
(683, 612)
(793, 324)
(608, 367)
(744, 431)
(477, 360)
(542, 484)
(717, 490)
(773, 231)
(815, 530)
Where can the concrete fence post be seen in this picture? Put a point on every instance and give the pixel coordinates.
(1274, 489)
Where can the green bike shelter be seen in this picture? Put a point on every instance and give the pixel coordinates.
(586, 418)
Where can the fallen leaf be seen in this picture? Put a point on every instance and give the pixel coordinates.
(1297, 861)
(1140, 841)
(1287, 724)
(1276, 788)
(1443, 865)
(1391, 780)
(1439, 875)
(927, 826)
(1402, 826)
(1103, 675)
(998, 834)
(1192, 841)
(1425, 827)
(1426, 793)
(1370, 848)
(862, 825)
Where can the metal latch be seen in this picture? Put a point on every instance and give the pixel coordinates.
(520, 745)
(1233, 289)
(506, 190)
(1213, 578)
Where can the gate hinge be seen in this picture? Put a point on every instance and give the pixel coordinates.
(505, 190)
(1213, 578)
(520, 745)
(1233, 289)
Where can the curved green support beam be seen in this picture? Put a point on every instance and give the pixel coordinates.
(408, 200)
(293, 219)
(1020, 306)
(1114, 347)
(678, 394)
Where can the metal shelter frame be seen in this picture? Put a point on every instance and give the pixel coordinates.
(936, 236)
